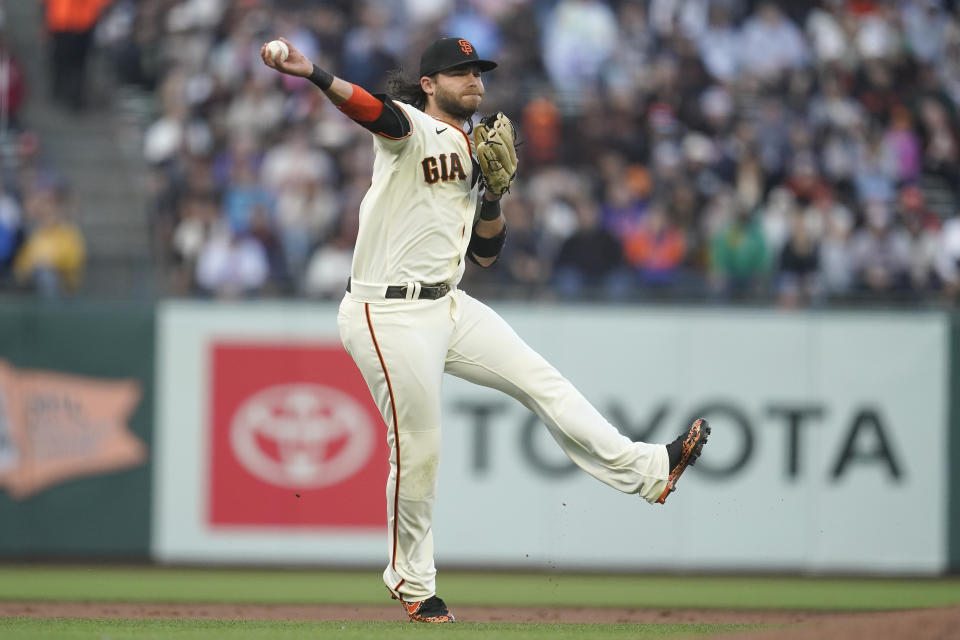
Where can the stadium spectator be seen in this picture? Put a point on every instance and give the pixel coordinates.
(231, 265)
(656, 249)
(330, 264)
(720, 46)
(11, 230)
(70, 25)
(798, 277)
(199, 221)
(825, 27)
(521, 266)
(880, 252)
(257, 109)
(836, 260)
(739, 257)
(579, 37)
(53, 254)
(243, 197)
(770, 43)
(590, 261)
(947, 261)
(923, 228)
(12, 83)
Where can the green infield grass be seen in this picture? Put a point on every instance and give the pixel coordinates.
(83, 629)
(298, 586)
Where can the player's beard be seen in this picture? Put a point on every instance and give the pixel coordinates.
(450, 103)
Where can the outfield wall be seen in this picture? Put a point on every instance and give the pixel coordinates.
(76, 423)
(813, 466)
(831, 448)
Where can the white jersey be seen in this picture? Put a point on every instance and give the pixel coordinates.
(417, 217)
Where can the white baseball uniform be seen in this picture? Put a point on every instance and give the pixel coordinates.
(415, 225)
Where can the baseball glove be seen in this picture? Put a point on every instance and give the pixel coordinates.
(494, 138)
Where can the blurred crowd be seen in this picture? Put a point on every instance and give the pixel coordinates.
(680, 149)
(42, 249)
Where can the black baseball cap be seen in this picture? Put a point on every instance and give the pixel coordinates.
(447, 53)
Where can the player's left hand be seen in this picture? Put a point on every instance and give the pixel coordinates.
(496, 152)
(296, 63)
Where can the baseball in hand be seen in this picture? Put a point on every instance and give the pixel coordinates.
(277, 51)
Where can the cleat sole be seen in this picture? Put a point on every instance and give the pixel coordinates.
(692, 448)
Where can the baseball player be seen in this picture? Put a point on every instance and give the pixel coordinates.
(434, 202)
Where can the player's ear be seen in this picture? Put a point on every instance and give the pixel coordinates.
(428, 84)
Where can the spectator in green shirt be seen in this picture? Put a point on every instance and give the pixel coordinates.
(739, 257)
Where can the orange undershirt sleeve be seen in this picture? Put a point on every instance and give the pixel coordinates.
(361, 106)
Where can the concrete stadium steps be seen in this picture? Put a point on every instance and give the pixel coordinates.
(92, 150)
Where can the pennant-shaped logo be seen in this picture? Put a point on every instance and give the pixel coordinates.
(55, 427)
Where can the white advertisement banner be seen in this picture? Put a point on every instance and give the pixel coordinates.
(828, 451)
(268, 446)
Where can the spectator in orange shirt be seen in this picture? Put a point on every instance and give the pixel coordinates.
(70, 24)
(656, 248)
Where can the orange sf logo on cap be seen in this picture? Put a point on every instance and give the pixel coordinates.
(465, 46)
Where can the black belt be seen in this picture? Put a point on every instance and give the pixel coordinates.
(427, 291)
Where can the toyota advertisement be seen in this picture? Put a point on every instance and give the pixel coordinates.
(295, 438)
(269, 449)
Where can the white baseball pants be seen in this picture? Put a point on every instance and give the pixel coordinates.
(403, 347)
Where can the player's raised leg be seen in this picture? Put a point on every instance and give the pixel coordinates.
(487, 351)
(399, 348)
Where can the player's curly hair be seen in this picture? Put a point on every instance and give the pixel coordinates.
(402, 88)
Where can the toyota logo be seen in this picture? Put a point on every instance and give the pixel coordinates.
(303, 436)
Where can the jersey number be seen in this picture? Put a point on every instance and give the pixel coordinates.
(434, 171)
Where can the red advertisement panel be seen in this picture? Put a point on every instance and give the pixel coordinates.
(296, 439)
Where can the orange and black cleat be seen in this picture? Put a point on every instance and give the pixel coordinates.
(684, 451)
(432, 610)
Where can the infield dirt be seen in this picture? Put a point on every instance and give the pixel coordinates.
(924, 624)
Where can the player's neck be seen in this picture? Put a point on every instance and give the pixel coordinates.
(433, 110)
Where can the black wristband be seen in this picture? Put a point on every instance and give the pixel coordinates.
(321, 78)
(487, 247)
(489, 210)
